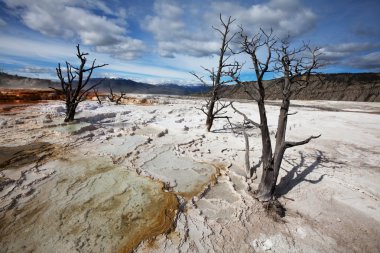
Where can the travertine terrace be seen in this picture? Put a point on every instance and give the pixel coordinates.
(149, 177)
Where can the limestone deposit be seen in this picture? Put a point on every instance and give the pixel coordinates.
(149, 178)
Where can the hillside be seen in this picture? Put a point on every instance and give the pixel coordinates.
(130, 86)
(19, 82)
(337, 87)
(124, 85)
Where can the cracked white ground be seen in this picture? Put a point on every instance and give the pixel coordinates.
(150, 178)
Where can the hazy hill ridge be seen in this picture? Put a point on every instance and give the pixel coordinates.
(338, 87)
(125, 85)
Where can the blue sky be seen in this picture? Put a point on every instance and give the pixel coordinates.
(161, 41)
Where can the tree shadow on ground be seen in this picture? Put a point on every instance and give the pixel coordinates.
(234, 128)
(299, 173)
(228, 128)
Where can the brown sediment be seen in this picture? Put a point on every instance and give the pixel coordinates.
(143, 223)
(202, 187)
(27, 218)
(27, 95)
(10, 108)
(160, 214)
(14, 157)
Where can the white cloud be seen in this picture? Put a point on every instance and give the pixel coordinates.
(175, 34)
(78, 20)
(368, 61)
(283, 16)
(126, 49)
(50, 52)
(43, 50)
(341, 53)
(2, 22)
(36, 70)
(169, 29)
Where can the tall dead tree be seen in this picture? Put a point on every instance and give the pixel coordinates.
(76, 87)
(214, 106)
(296, 66)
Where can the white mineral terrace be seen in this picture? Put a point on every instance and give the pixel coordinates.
(150, 178)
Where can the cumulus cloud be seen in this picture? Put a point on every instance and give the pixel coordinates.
(172, 34)
(36, 70)
(368, 61)
(354, 55)
(128, 49)
(340, 53)
(90, 22)
(285, 17)
(177, 35)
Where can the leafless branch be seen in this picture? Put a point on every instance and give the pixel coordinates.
(289, 144)
(245, 117)
(73, 86)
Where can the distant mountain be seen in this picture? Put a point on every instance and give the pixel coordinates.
(17, 82)
(338, 87)
(130, 86)
(118, 85)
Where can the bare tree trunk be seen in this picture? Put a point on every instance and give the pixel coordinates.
(263, 192)
(270, 175)
(248, 169)
(210, 115)
(97, 96)
(111, 96)
(70, 112)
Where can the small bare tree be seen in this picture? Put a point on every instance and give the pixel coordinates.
(296, 66)
(96, 92)
(214, 106)
(115, 98)
(76, 90)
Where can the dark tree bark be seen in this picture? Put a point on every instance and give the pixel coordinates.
(118, 100)
(115, 98)
(296, 66)
(97, 96)
(214, 106)
(76, 90)
(296, 69)
(248, 169)
(111, 96)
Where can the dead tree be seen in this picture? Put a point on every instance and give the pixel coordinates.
(118, 100)
(214, 106)
(296, 66)
(115, 98)
(75, 88)
(111, 96)
(96, 91)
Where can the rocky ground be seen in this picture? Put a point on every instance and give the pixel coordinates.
(149, 178)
